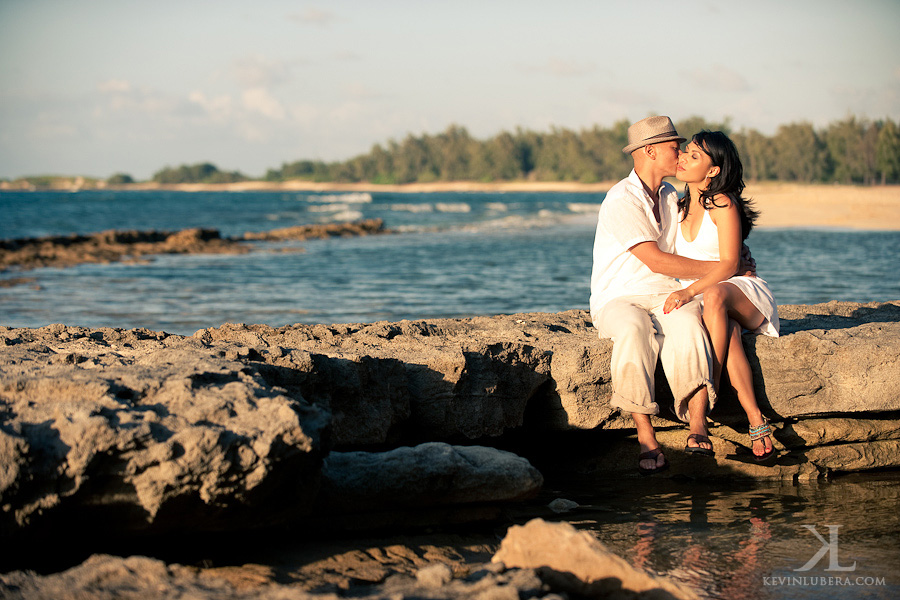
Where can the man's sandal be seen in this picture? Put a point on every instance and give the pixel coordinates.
(761, 432)
(652, 455)
(699, 439)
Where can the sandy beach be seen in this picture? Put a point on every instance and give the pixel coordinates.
(780, 204)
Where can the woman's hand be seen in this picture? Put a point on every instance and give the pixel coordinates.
(677, 300)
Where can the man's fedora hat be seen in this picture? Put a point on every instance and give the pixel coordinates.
(651, 130)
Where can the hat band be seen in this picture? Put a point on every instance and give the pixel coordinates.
(659, 135)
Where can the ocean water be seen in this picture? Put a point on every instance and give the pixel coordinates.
(455, 255)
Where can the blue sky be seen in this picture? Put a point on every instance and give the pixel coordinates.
(95, 87)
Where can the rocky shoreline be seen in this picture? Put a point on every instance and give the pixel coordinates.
(136, 434)
(114, 246)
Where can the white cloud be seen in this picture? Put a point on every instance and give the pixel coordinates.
(561, 67)
(114, 86)
(141, 101)
(314, 16)
(259, 100)
(259, 72)
(220, 107)
(717, 78)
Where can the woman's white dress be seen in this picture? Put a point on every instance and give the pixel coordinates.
(706, 247)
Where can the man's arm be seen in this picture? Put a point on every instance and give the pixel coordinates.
(671, 264)
(685, 268)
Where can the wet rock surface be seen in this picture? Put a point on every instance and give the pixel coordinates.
(548, 561)
(114, 246)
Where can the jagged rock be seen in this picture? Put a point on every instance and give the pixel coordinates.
(856, 457)
(319, 230)
(578, 562)
(564, 561)
(104, 577)
(141, 431)
(414, 381)
(837, 430)
(154, 430)
(834, 358)
(431, 474)
(113, 245)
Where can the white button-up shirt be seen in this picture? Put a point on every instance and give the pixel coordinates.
(626, 219)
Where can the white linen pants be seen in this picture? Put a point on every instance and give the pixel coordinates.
(641, 334)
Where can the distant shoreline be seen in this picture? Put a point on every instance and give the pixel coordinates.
(411, 188)
(780, 204)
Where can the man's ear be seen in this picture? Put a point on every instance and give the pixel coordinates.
(650, 151)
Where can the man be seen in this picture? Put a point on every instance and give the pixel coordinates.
(634, 272)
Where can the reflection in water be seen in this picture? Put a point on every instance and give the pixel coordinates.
(730, 540)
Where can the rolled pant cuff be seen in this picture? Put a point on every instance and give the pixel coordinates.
(681, 405)
(626, 406)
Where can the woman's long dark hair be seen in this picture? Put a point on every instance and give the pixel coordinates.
(729, 181)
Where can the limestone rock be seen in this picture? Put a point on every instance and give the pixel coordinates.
(838, 430)
(431, 474)
(839, 357)
(104, 577)
(856, 457)
(319, 230)
(142, 431)
(577, 562)
(415, 381)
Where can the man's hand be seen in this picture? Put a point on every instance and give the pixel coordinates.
(747, 266)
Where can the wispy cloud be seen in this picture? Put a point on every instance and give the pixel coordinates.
(561, 67)
(314, 16)
(259, 71)
(260, 101)
(717, 78)
(114, 85)
(121, 96)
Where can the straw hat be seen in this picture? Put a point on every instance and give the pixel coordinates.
(651, 130)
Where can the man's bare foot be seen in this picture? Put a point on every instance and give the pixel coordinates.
(652, 461)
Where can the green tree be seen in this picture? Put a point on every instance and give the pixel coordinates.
(198, 173)
(852, 150)
(887, 153)
(799, 154)
(688, 127)
(757, 155)
(120, 179)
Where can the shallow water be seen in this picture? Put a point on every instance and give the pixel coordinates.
(734, 540)
(726, 540)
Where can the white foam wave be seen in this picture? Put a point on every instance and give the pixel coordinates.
(413, 208)
(583, 207)
(324, 208)
(351, 197)
(497, 206)
(347, 215)
(453, 207)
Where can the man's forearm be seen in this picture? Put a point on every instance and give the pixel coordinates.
(681, 267)
(671, 264)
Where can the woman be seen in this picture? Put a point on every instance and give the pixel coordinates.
(715, 219)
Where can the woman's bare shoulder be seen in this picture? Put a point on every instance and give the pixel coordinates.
(722, 204)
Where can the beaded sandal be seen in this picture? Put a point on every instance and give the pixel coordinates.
(758, 433)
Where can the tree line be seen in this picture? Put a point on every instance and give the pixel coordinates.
(848, 151)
